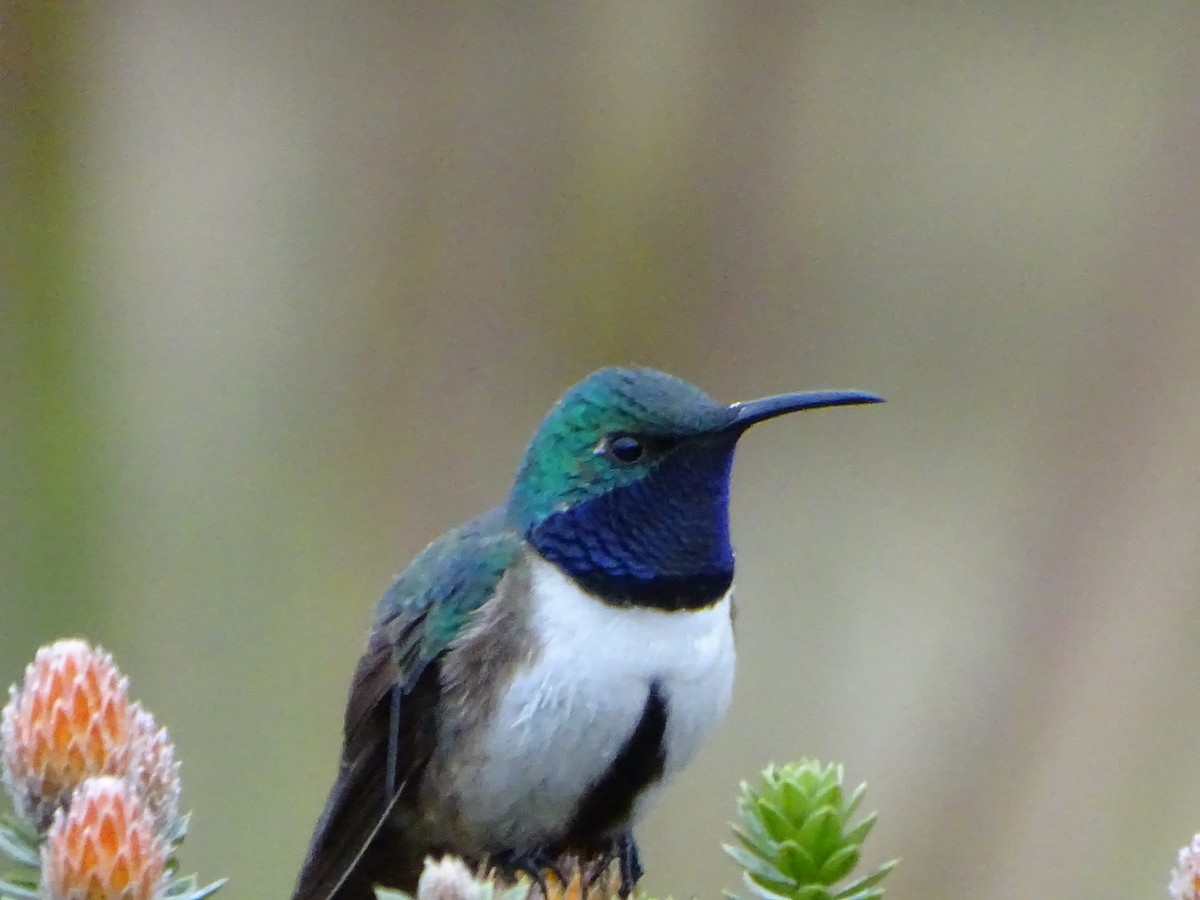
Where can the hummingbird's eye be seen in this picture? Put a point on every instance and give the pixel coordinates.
(624, 448)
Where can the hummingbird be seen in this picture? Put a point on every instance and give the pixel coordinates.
(536, 676)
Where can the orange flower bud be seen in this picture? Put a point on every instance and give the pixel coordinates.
(155, 771)
(104, 847)
(1185, 877)
(70, 719)
(600, 885)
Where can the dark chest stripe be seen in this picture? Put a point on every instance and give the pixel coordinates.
(665, 593)
(607, 806)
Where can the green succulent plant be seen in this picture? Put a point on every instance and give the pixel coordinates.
(795, 836)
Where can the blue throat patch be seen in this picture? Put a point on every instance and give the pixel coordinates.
(661, 542)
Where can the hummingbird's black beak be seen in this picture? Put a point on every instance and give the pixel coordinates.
(752, 411)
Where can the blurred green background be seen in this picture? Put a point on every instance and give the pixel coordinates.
(285, 288)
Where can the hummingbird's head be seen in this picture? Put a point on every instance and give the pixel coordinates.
(625, 486)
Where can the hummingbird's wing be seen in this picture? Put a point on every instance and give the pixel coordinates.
(390, 725)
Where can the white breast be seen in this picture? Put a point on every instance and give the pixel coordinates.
(563, 721)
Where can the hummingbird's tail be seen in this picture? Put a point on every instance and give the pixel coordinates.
(355, 845)
(335, 870)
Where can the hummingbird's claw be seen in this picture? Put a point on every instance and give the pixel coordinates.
(631, 863)
(533, 864)
(623, 851)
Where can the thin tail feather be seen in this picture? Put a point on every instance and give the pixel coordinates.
(388, 738)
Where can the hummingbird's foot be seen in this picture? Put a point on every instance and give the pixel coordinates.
(630, 862)
(534, 864)
(631, 869)
(623, 851)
